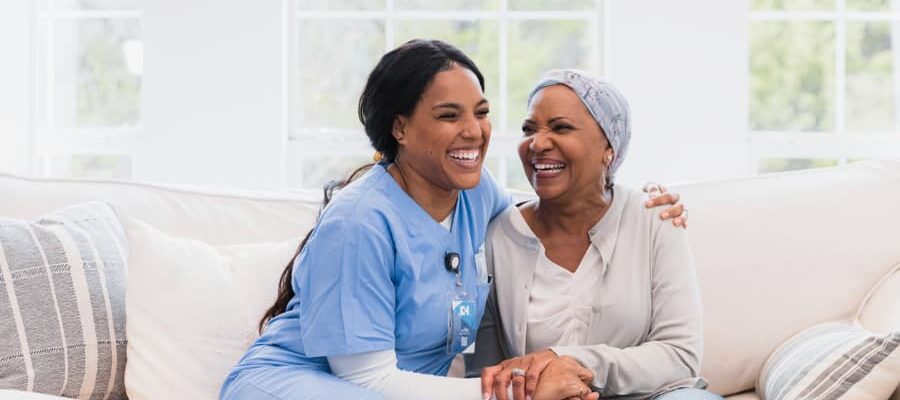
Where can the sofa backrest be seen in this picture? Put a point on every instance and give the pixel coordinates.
(778, 253)
(217, 216)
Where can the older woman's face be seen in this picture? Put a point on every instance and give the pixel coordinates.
(563, 150)
(446, 137)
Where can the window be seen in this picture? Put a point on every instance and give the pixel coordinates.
(824, 82)
(89, 67)
(335, 44)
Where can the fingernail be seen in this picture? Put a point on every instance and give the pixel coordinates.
(649, 203)
(665, 214)
(485, 396)
(527, 397)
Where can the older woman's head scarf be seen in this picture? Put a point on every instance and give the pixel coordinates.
(606, 104)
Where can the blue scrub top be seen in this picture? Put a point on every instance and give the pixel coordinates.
(372, 277)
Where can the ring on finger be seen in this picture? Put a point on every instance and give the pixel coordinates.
(518, 372)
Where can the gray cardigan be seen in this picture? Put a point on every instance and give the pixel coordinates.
(646, 332)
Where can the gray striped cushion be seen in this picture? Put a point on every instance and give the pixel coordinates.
(62, 303)
(834, 360)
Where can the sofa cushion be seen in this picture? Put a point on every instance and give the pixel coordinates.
(751, 395)
(880, 312)
(193, 309)
(62, 313)
(833, 360)
(17, 395)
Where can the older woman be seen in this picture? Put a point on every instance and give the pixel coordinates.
(585, 270)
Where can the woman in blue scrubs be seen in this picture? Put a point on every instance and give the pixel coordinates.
(391, 284)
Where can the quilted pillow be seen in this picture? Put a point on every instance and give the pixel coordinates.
(62, 303)
(834, 360)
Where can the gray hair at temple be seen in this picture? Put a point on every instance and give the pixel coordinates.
(606, 104)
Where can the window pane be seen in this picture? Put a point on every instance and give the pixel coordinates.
(341, 4)
(331, 73)
(792, 76)
(98, 4)
(98, 67)
(792, 164)
(459, 5)
(538, 46)
(314, 171)
(873, 5)
(555, 5)
(91, 166)
(871, 66)
(478, 39)
(792, 5)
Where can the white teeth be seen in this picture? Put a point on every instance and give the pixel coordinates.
(548, 167)
(464, 154)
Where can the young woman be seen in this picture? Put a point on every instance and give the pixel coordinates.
(586, 271)
(390, 284)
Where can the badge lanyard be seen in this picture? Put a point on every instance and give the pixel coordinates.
(461, 321)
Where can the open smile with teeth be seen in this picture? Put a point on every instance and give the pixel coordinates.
(465, 157)
(548, 167)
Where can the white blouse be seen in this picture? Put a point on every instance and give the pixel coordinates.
(559, 309)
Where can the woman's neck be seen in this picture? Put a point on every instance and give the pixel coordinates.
(437, 202)
(567, 217)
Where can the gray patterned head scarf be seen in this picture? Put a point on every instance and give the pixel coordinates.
(606, 104)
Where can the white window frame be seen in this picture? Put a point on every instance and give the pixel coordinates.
(354, 142)
(49, 140)
(837, 144)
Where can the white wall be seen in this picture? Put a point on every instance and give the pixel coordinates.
(15, 82)
(212, 93)
(683, 66)
(213, 89)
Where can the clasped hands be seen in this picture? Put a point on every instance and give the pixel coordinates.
(547, 377)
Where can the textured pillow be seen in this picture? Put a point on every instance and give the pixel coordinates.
(62, 303)
(834, 360)
(193, 309)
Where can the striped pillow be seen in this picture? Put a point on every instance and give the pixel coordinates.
(62, 303)
(834, 360)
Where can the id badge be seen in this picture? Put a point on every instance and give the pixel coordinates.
(462, 322)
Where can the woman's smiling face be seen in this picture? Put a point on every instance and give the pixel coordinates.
(445, 139)
(563, 150)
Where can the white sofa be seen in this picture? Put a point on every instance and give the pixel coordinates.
(775, 253)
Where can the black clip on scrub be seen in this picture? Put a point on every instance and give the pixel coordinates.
(461, 321)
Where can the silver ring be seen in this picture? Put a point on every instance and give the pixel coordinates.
(518, 372)
(652, 188)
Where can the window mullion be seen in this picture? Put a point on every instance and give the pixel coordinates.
(840, 68)
(503, 27)
(601, 40)
(390, 29)
(287, 62)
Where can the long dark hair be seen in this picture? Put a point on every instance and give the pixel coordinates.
(394, 88)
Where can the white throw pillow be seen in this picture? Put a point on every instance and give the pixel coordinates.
(834, 360)
(880, 311)
(193, 309)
